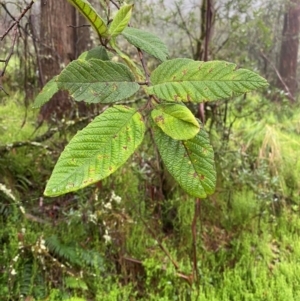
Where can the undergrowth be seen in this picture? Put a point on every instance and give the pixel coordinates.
(119, 239)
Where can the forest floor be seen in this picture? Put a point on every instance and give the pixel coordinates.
(121, 241)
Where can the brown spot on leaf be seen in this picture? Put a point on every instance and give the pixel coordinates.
(189, 97)
(125, 147)
(195, 175)
(115, 136)
(174, 77)
(159, 118)
(184, 72)
(210, 70)
(202, 177)
(176, 97)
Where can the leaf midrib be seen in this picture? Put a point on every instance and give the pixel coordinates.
(92, 157)
(203, 81)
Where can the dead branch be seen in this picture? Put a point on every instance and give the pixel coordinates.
(279, 76)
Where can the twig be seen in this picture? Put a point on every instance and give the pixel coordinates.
(14, 26)
(38, 61)
(185, 28)
(6, 61)
(180, 275)
(11, 52)
(279, 76)
(146, 71)
(7, 11)
(175, 264)
(17, 21)
(194, 235)
(78, 26)
(38, 140)
(115, 4)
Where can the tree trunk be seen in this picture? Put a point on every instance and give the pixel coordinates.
(207, 13)
(82, 43)
(83, 35)
(57, 51)
(289, 50)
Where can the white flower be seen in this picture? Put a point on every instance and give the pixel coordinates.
(22, 209)
(13, 272)
(7, 191)
(115, 198)
(93, 218)
(107, 206)
(107, 238)
(16, 258)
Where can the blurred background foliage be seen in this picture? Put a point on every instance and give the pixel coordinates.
(136, 235)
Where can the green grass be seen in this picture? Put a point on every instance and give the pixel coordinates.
(15, 123)
(248, 245)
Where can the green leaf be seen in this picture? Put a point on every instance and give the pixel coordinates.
(98, 150)
(96, 81)
(98, 52)
(120, 21)
(86, 9)
(75, 283)
(188, 80)
(176, 120)
(46, 94)
(146, 41)
(190, 162)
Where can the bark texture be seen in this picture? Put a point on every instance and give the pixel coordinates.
(62, 41)
(289, 49)
(57, 50)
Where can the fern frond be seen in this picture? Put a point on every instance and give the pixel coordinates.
(63, 251)
(26, 279)
(91, 258)
(40, 290)
(74, 254)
